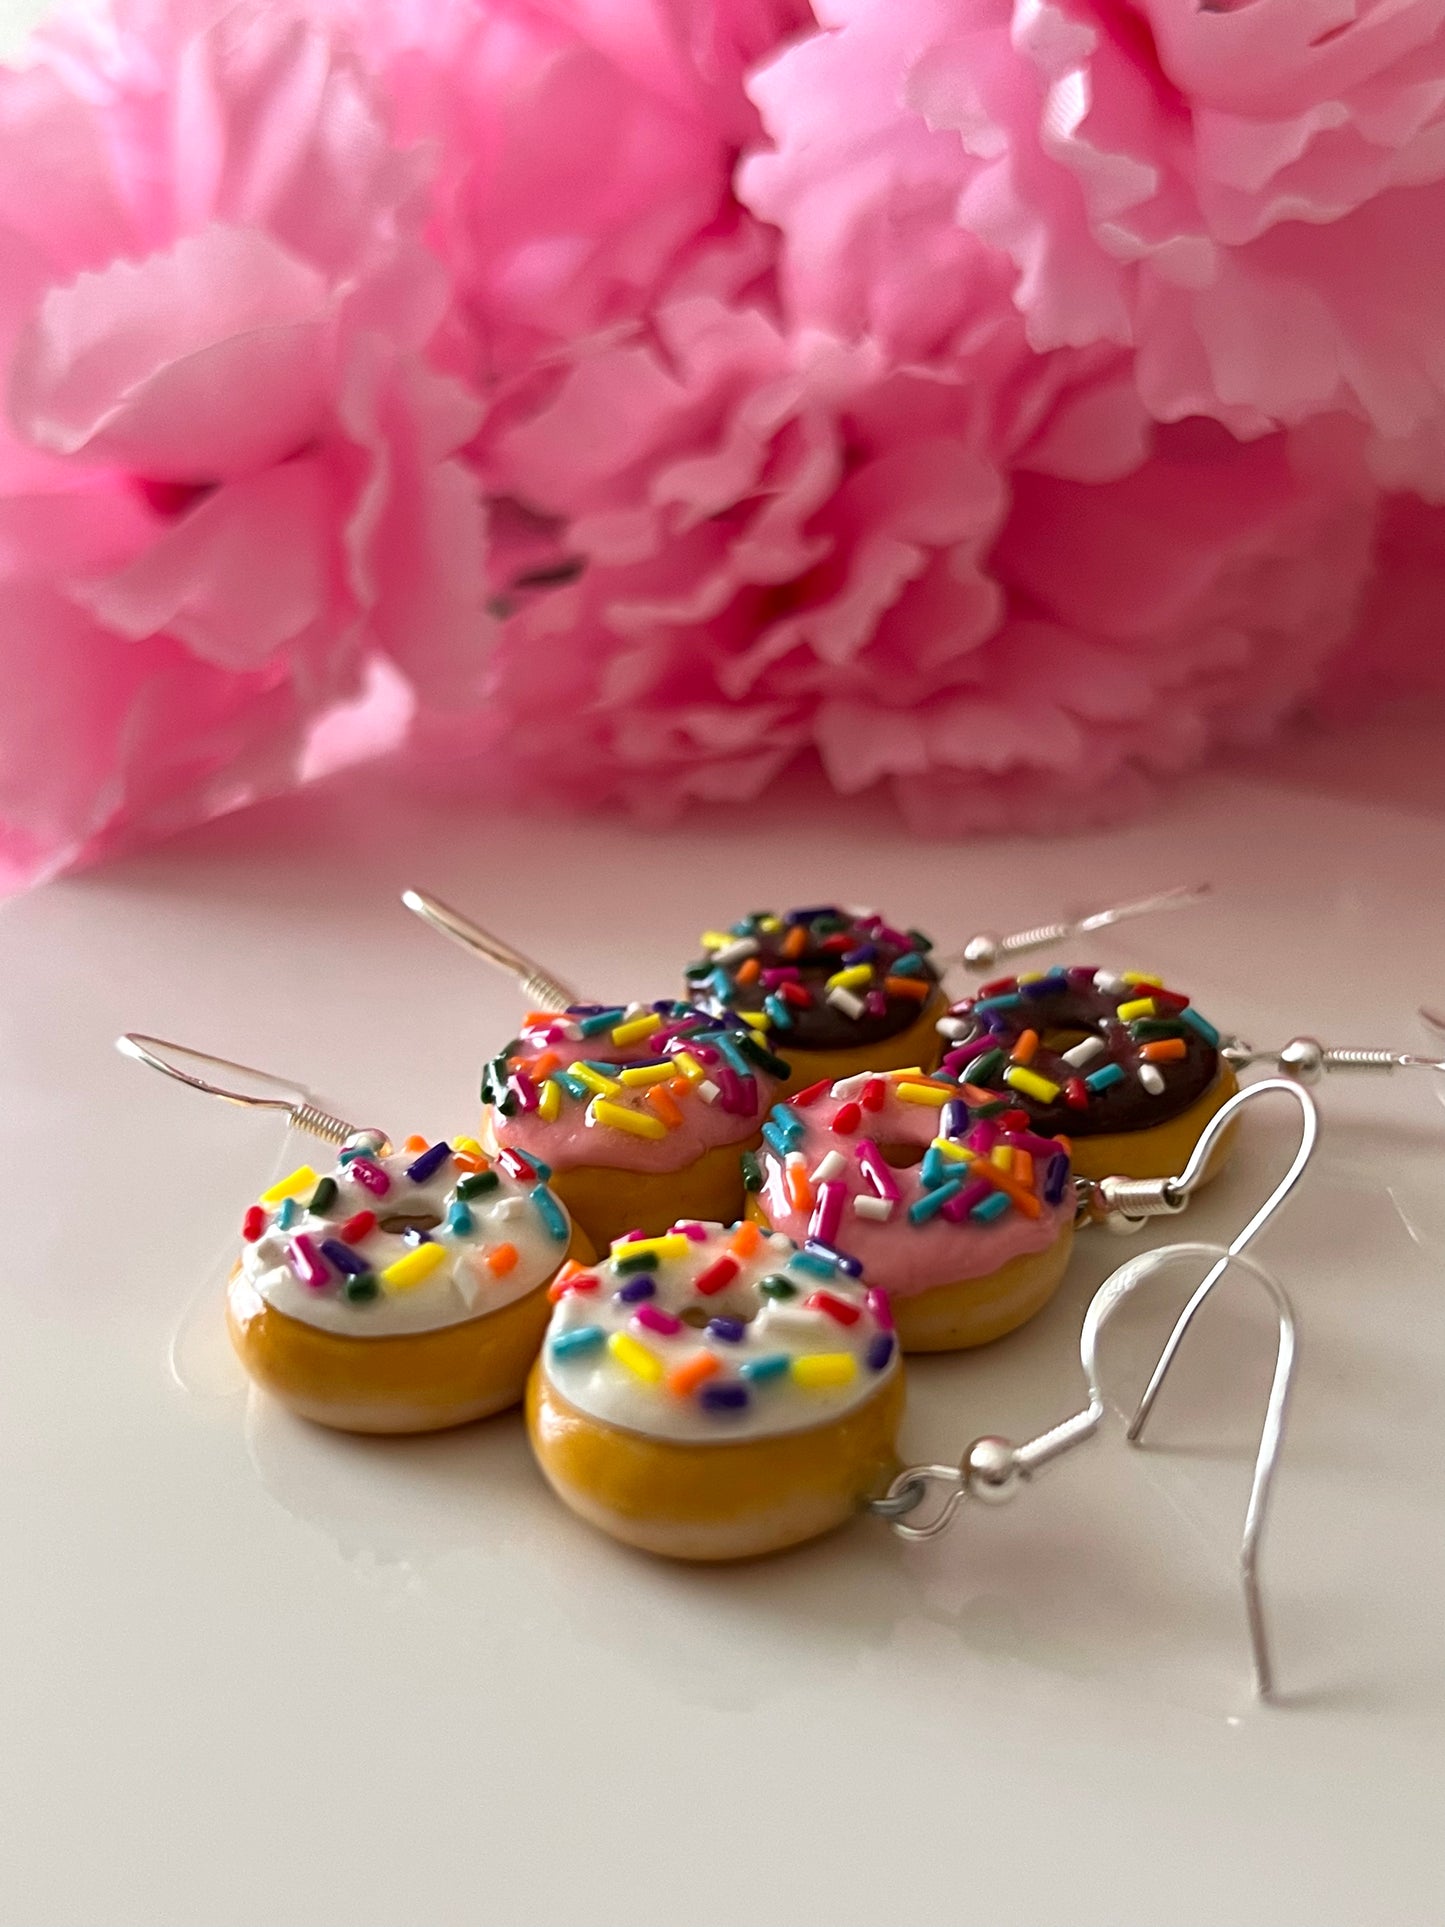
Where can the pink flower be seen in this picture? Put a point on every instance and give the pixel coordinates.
(229, 485)
(1240, 194)
(1011, 604)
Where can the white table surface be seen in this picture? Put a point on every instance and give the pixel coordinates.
(256, 1673)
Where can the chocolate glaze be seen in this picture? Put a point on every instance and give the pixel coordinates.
(1074, 1002)
(831, 936)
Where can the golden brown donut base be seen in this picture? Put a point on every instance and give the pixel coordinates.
(972, 1311)
(606, 1202)
(734, 1499)
(410, 1382)
(1164, 1149)
(920, 1044)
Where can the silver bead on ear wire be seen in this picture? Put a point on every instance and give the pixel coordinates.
(277, 1093)
(983, 953)
(1307, 1060)
(538, 986)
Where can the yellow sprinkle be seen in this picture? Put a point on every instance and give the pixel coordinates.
(1002, 1158)
(922, 1094)
(303, 1178)
(758, 1019)
(636, 1028)
(672, 1244)
(853, 975)
(640, 1123)
(594, 1080)
(689, 1066)
(639, 1076)
(1141, 977)
(1138, 1007)
(716, 939)
(770, 924)
(1030, 976)
(550, 1102)
(409, 1271)
(636, 1357)
(1031, 1084)
(946, 1148)
(468, 1146)
(824, 1369)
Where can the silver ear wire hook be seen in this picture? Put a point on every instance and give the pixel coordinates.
(278, 1093)
(541, 989)
(1307, 1060)
(993, 1469)
(983, 952)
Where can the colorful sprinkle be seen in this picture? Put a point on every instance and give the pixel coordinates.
(303, 1178)
(410, 1270)
(585, 1338)
(635, 1357)
(822, 1371)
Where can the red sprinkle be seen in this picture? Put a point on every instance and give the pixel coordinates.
(1076, 1094)
(836, 1308)
(847, 1118)
(874, 1093)
(581, 1281)
(998, 988)
(1012, 1120)
(1166, 999)
(253, 1224)
(355, 1229)
(837, 943)
(811, 1094)
(718, 1276)
(516, 1166)
(796, 995)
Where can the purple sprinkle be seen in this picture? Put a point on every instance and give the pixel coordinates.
(636, 1289)
(865, 953)
(853, 1267)
(880, 1350)
(1039, 1147)
(995, 1019)
(958, 1208)
(807, 916)
(343, 1257)
(727, 1397)
(310, 1266)
(953, 1118)
(731, 1330)
(369, 1176)
(414, 1236)
(885, 933)
(965, 1053)
(431, 1161)
(1056, 1177)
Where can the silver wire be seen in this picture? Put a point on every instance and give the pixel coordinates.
(282, 1094)
(985, 951)
(537, 984)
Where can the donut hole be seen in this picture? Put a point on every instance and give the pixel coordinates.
(698, 1315)
(1058, 1041)
(398, 1223)
(902, 1157)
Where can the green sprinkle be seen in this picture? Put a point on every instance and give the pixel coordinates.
(477, 1183)
(983, 1068)
(920, 942)
(752, 1172)
(1148, 1030)
(764, 1059)
(358, 1289)
(777, 1286)
(323, 1197)
(644, 1261)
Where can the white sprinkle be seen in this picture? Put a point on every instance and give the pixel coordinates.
(635, 1010)
(468, 1279)
(1106, 980)
(879, 1208)
(844, 1000)
(832, 1165)
(1152, 1078)
(847, 1087)
(708, 1091)
(736, 952)
(954, 1028)
(510, 1207)
(1084, 1053)
(570, 1028)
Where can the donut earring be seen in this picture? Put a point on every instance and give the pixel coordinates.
(713, 1394)
(404, 1290)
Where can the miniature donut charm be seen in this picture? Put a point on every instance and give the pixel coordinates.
(640, 1111)
(714, 1393)
(1124, 1067)
(404, 1291)
(963, 1216)
(835, 991)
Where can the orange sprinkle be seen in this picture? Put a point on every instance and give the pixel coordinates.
(415, 1143)
(1167, 1051)
(1023, 1051)
(686, 1377)
(749, 970)
(679, 1086)
(501, 1259)
(539, 1017)
(548, 1061)
(915, 987)
(935, 1084)
(795, 942)
(976, 1094)
(558, 1287)
(1022, 1168)
(1022, 1197)
(469, 1161)
(745, 1240)
(800, 1190)
(660, 1097)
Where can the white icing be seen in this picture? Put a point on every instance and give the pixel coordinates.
(598, 1384)
(462, 1286)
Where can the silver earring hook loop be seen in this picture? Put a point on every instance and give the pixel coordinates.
(537, 984)
(985, 951)
(278, 1093)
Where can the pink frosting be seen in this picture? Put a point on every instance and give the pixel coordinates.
(569, 1141)
(903, 1258)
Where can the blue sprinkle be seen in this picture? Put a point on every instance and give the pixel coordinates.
(601, 1020)
(813, 1262)
(286, 1216)
(429, 1163)
(777, 1139)
(1102, 1079)
(552, 1214)
(785, 1115)
(778, 1011)
(991, 1006)
(727, 1397)
(1056, 1177)
(732, 1331)
(460, 1220)
(840, 1260)
(910, 966)
(880, 1350)
(933, 1169)
(1047, 985)
(759, 1370)
(636, 1289)
(991, 1207)
(1189, 1015)
(351, 1151)
(728, 1046)
(722, 984)
(865, 953)
(573, 1086)
(582, 1340)
(343, 1257)
(811, 915)
(922, 1209)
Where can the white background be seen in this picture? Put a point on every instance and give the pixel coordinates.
(254, 1672)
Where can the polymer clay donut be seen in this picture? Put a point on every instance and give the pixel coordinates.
(403, 1291)
(1122, 1065)
(639, 1110)
(964, 1216)
(835, 990)
(714, 1393)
